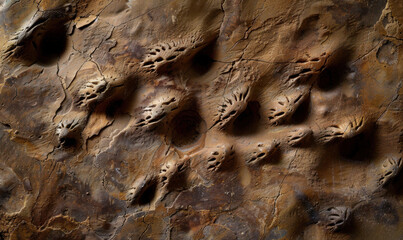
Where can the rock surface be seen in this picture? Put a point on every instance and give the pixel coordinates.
(184, 119)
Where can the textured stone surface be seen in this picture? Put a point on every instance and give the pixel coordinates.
(185, 119)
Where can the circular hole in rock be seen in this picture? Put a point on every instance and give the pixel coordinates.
(187, 128)
(51, 45)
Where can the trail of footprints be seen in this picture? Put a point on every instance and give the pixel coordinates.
(159, 59)
(165, 57)
(69, 129)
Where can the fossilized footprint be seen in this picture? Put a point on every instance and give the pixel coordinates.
(330, 134)
(233, 105)
(390, 169)
(170, 171)
(352, 127)
(69, 129)
(262, 153)
(219, 157)
(336, 218)
(299, 136)
(306, 69)
(91, 92)
(285, 106)
(31, 42)
(163, 56)
(135, 195)
(157, 111)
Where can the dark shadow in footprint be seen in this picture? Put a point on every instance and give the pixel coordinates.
(335, 70)
(247, 122)
(361, 147)
(203, 61)
(302, 112)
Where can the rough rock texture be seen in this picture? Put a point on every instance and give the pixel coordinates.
(201, 119)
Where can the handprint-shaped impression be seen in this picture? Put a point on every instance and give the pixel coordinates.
(234, 104)
(157, 110)
(70, 128)
(219, 157)
(284, 107)
(336, 218)
(390, 169)
(164, 56)
(171, 173)
(91, 92)
(299, 136)
(142, 190)
(262, 153)
(350, 128)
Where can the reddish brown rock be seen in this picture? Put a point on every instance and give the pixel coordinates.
(186, 119)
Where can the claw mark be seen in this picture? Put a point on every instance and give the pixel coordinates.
(390, 169)
(299, 136)
(306, 69)
(137, 194)
(161, 57)
(219, 157)
(91, 92)
(263, 153)
(69, 130)
(285, 106)
(351, 128)
(169, 171)
(157, 111)
(233, 105)
(336, 218)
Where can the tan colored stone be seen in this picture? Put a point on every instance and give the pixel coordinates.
(184, 119)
